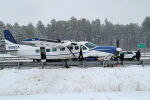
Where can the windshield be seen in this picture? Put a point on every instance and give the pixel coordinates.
(90, 45)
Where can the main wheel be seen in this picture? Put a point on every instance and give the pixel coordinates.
(38, 60)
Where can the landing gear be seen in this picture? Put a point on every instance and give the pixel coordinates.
(36, 60)
(65, 64)
(1, 68)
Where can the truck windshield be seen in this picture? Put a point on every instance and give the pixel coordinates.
(90, 45)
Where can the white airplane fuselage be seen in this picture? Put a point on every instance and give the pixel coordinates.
(56, 50)
(58, 53)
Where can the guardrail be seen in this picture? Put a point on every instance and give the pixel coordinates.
(68, 64)
(13, 58)
(14, 61)
(9, 58)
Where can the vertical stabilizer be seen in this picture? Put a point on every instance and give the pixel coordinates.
(10, 42)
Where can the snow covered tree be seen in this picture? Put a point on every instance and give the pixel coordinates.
(41, 32)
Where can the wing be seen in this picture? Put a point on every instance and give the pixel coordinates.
(46, 43)
(5, 51)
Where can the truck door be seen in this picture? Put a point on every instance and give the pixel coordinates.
(43, 52)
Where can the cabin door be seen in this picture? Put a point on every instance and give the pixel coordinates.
(43, 52)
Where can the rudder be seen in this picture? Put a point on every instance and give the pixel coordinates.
(10, 42)
(8, 36)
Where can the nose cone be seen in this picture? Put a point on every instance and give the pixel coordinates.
(118, 49)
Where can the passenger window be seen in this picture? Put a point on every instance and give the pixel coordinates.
(54, 49)
(76, 47)
(42, 50)
(84, 48)
(47, 50)
(62, 49)
(37, 50)
(70, 47)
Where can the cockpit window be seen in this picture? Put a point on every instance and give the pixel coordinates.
(84, 48)
(90, 45)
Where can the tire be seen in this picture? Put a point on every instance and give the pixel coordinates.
(38, 60)
(134, 58)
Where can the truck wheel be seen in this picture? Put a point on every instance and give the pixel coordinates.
(134, 58)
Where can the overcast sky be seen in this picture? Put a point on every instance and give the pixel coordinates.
(116, 11)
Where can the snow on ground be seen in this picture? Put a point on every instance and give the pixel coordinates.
(84, 96)
(89, 83)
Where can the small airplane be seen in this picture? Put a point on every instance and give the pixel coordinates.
(56, 50)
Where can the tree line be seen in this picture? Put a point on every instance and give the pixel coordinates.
(106, 33)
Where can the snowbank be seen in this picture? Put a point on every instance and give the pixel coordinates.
(74, 80)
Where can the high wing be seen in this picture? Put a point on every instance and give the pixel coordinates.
(46, 43)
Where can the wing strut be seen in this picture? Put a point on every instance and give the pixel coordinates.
(71, 52)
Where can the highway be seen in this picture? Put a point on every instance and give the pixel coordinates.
(7, 61)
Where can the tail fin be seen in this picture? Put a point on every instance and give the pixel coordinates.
(10, 42)
(8, 36)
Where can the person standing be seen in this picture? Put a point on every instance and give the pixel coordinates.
(122, 56)
(138, 55)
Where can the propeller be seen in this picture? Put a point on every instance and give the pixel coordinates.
(118, 44)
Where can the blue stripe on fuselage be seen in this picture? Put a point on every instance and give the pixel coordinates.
(31, 39)
(107, 49)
